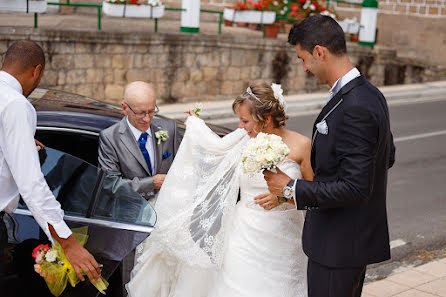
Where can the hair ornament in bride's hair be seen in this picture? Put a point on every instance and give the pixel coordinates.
(249, 91)
(278, 94)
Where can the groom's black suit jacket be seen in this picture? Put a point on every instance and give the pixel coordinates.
(346, 221)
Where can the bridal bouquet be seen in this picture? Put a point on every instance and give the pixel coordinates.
(54, 267)
(263, 153)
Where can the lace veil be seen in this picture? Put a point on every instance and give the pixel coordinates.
(195, 204)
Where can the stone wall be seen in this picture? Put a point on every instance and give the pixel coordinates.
(191, 67)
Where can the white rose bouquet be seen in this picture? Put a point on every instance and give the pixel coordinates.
(263, 153)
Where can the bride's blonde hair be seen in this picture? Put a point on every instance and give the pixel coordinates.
(266, 104)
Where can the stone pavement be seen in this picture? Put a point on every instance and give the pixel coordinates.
(427, 280)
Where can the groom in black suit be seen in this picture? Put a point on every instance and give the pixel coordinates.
(352, 149)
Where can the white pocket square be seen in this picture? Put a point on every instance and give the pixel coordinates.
(322, 127)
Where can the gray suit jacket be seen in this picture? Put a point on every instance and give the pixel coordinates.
(119, 154)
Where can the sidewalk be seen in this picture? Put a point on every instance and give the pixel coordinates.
(427, 280)
(221, 111)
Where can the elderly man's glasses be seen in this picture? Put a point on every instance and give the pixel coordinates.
(141, 115)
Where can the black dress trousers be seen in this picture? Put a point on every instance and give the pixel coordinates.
(326, 281)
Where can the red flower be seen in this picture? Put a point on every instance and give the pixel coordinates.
(302, 1)
(323, 9)
(40, 249)
(294, 7)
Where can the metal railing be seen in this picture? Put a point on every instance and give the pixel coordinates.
(99, 8)
(220, 20)
(67, 3)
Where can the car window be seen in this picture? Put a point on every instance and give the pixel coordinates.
(81, 145)
(85, 191)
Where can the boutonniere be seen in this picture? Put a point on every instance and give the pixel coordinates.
(161, 135)
(198, 108)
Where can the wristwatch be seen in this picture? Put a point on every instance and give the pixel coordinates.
(287, 191)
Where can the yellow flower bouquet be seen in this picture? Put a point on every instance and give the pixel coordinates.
(54, 267)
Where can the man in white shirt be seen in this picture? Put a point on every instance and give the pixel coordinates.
(20, 172)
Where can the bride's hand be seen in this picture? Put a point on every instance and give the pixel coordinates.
(190, 112)
(267, 200)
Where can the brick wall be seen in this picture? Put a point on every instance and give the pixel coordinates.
(426, 8)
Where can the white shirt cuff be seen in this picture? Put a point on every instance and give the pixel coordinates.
(294, 192)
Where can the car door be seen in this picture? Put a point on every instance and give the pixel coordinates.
(117, 217)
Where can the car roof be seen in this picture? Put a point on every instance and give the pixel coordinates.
(67, 110)
(62, 109)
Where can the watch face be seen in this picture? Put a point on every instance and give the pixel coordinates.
(287, 192)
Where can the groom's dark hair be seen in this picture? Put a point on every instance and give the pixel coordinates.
(319, 30)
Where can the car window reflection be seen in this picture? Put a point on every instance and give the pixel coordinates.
(118, 201)
(72, 181)
(85, 191)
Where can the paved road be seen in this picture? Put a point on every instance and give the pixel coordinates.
(417, 182)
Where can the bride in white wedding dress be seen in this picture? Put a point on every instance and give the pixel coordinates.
(206, 246)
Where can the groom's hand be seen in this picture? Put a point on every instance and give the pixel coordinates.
(276, 181)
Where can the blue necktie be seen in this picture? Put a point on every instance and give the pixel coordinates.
(142, 146)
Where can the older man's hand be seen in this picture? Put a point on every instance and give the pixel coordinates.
(39, 145)
(158, 181)
(276, 181)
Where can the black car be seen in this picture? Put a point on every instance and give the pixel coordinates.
(117, 217)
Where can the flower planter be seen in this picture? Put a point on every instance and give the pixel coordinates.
(350, 26)
(249, 16)
(132, 10)
(228, 23)
(271, 31)
(21, 5)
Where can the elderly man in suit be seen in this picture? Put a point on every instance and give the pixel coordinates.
(346, 220)
(136, 148)
(140, 148)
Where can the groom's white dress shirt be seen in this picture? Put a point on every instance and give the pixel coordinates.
(339, 84)
(20, 171)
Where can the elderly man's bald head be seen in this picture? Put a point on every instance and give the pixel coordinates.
(139, 104)
(138, 91)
